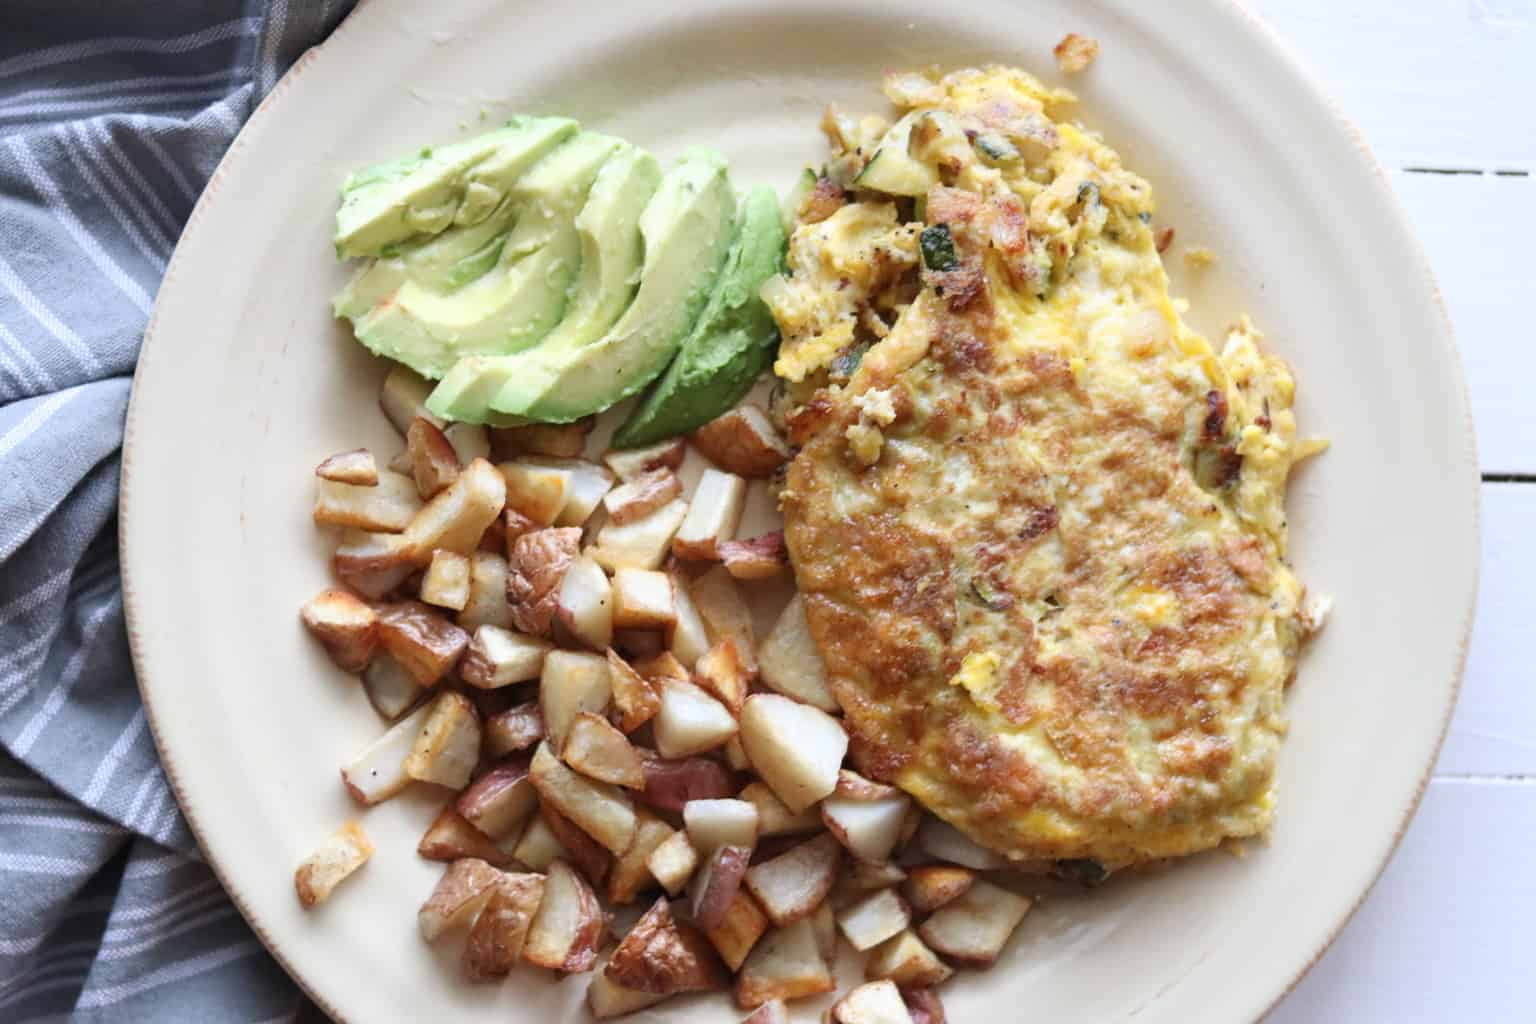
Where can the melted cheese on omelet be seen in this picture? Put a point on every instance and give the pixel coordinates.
(1038, 521)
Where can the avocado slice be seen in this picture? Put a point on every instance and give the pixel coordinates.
(611, 256)
(521, 298)
(687, 229)
(460, 183)
(731, 344)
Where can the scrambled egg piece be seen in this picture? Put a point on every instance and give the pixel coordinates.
(1037, 520)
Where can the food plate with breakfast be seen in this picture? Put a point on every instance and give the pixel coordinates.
(777, 512)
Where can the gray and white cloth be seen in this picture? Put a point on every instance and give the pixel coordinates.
(112, 117)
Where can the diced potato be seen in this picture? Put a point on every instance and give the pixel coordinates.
(373, 564)
(448, 745)
(499, 801)
(465, 887)
(874, 1002)
(785, 964)
(388, 506)
(390, 688)
(639, 643)
(759, 558)
(599, 809)
(519, 727)
(736, 755)
(790, 663)
(356, 467)
(554, 439)
(487, 603)
(673, 862)
(538, 493)
(572, 682)
(641, 543)
(725, 613)
(715, 885)
(824, 926)
(627, 465)
(973, 928)
(773, 818)
(400, 463)
(660, 955)
(434, 463)
(568, 925)
(924, 1006)
(585, 603)
(771, 1012)
(495, 943)
(721, 673)
(671, 784)
(447, 581)
(868, 828)
(793, 884)
(537, 564)
(795, 748)
(743, 442)
(404, 397)
(713, 515)
(470, 442)
(642, 599)
(583, 852)
(871, 920)
(599, 751)
(690, 721)
(631, 874)
(421, 640)
(379, 772)
(450, 838)
(663, 666)
(347, 628)
(945, 842)
(538, 847)
(635, 699)
(930, 886)
(456, 518)
(499, 657)
(606, 998)
(332, 862)
(860, 878)
(742, 924)
(642, 495)
(906, 960)
(687, 637)
(586, 485)
(712, 824)
(1075, 52)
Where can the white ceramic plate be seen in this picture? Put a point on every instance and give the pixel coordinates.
(246, 382)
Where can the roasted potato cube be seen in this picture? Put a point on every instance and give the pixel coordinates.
(599, 809)
(945, 842)
(871, 920)
(586, 485)
(663, 956)
(373, 564)
(347, 628)
(725, 613)
(519, 727)
(924, 1006)
(607, 998)
(634, 698)
(785, 964)
(404, 397)
(642, 599)
(495, 943)
(450, 838)
(930, 886)
(585, 603)
(470, 441)
(743, 442)
(500, 800)
(907, 961)
(568, 925)
(627, 465)
(673, 862)
(671, 784)
(630, 874)
(642, 495)
(538, 563)
(790, 662)
(773, 818)
(465, 887)
(499, 657)
(639, 643)
(537, 493)
(434, 463)
(795, 748)
(792, 885)
(388, 506)
(874, 1002)
(599, 751)
(690, 721)
(332, 863)
(687, 637)
(771, 1012)
(457, 517)
(379, 772)
(558, 439)
(538, 846)
(717, 883)
(868, 828)
(712, 824)
(973, 928)
(756, 559)
(390, 688)
(583, 852)
(713, 515)
(421, 640)
(487, 604)
(448, 745)
(572, 682)
(723, 675)
(640, 543)
(447, 581)
(356, 467)
(740, 927)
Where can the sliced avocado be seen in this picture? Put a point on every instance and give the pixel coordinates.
(460, 183)
(516, 302)
(687, 229)
(611, 257)
(894, 169)
(731, 344)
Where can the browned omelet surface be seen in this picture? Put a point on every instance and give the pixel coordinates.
(1037, 521)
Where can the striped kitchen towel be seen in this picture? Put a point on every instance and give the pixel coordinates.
(112, 116)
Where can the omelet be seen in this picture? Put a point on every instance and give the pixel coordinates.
(1037, 521)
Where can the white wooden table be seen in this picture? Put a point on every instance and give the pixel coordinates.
(1443, 90)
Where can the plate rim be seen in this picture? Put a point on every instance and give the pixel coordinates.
(1258, 30)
